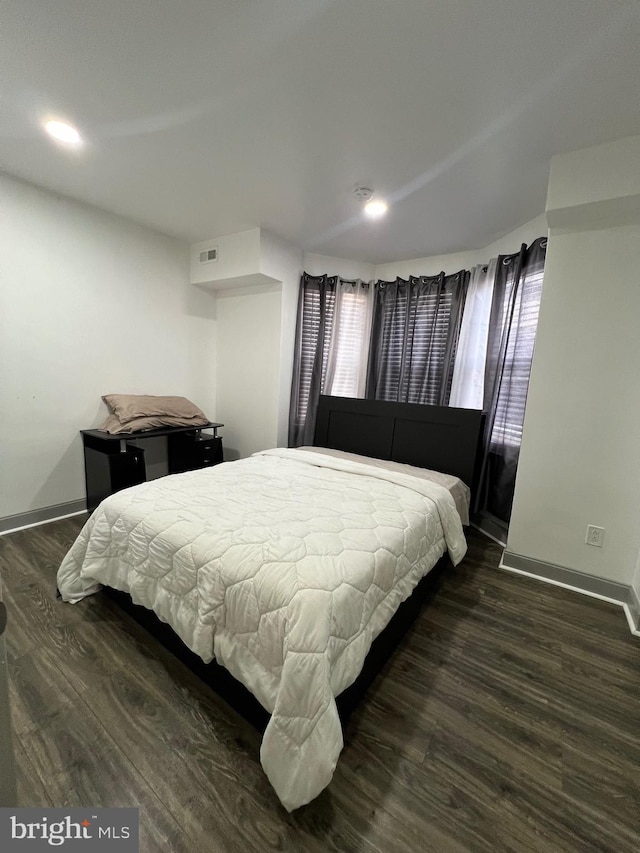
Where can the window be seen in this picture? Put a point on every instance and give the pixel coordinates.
(416, 329)
(402, 336)
(334, 326)
(345, 371)
(318, 304)
(522, 318)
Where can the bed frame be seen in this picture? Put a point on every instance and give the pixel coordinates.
(435, 437)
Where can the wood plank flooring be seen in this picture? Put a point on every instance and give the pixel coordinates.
(508, 720)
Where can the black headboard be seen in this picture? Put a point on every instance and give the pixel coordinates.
(436, 437)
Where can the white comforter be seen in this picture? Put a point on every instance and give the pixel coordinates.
(285, 567)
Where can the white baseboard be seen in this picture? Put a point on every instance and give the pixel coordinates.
(632, 611)
(35, 517)
(601, 588)
(488, 535)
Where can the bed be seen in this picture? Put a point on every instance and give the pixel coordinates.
(293, 567)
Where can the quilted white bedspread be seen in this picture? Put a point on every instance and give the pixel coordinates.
(284, 566)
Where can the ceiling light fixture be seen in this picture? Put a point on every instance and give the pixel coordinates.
(63, 132)
(375, 209)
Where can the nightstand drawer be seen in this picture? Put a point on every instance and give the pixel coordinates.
(190, 451)
(207, 451)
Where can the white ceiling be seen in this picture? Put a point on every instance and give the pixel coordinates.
(207, 117)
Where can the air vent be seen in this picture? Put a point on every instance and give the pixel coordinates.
(209, 256)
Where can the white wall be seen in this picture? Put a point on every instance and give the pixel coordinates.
(593, 175)
(507, 244)
(511, 242)
(89, 304)
(248, 364)
(255, 339)
(316, 264)
(580, 455)
(635, 583)
(238, 256)
(284, 261)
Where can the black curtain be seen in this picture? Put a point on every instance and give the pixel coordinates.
(316, 304)
(512, 329)
(415, 330)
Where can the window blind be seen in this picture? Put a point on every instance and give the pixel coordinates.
(334, 325)
(317, 322)
(522, 322)
(345, 373)
(416, 327)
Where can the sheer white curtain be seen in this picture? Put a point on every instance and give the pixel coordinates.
(346, 373)
(467, 385)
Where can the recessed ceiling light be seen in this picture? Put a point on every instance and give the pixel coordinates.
(63, 132)
(375, 209)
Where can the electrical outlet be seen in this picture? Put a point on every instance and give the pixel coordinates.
(595, 535)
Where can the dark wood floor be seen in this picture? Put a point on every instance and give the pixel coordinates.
(509, 720)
